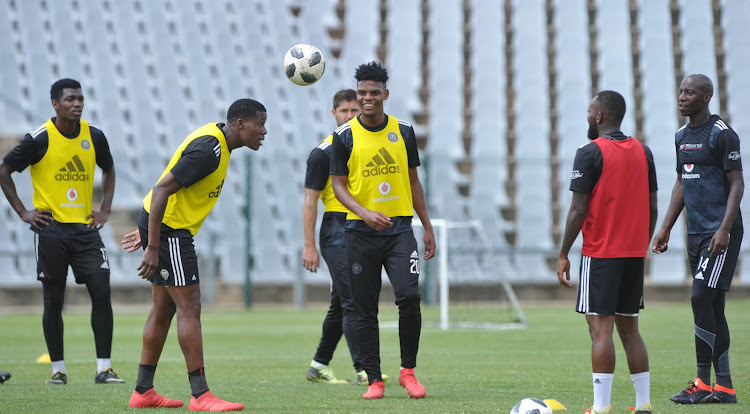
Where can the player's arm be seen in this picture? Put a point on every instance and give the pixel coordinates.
(310, 258)
(660, 243)
(720, 240)
(105, 162)
(728, 146)
(587, 168)
(576, 215)
(420, 206)
(316, 179)
(99, 218)
(24, 154)
(417, 192)
(159, 198)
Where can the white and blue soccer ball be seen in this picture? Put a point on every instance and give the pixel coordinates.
(304, 64)
(531, 406)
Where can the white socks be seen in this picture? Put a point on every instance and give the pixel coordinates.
(58, 366)
(102, 364)
(316, 364)
(602, 390)
(642, 384)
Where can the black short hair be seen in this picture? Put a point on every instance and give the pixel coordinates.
(243, 109)
(612, 103)
(56, 91)
(372, 71)
(344, 95)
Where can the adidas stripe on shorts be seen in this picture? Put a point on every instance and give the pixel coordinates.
(717, 272)
(178, 263)
(610, 286)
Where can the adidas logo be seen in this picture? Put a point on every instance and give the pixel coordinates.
(382, 163)
(193, 277)
(105, 265)
(414, 255)
(596, 381)
(217, 193)
(41, 275)
(699, 276)
(72, 171)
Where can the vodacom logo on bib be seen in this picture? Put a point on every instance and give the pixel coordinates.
(384, 187)
(72, 194)
(689, 167)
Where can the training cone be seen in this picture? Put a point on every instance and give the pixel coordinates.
(43, 359)
(554, 404)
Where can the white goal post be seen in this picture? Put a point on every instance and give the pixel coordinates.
(477, 246)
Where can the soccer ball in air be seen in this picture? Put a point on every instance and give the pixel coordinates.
(304, 64)
(531, 406)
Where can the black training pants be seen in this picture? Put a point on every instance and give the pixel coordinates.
(341, 317)
(367, 254)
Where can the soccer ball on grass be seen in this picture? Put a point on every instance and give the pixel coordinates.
(531, 406)
(304, 64)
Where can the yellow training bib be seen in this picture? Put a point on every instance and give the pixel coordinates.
(379, 170)
(63, 179)
(189, 207)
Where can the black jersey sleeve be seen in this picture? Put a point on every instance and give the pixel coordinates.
(199, 159)
(29, 151)
(652, 185)
(101, 145)
(410, 139)
(318, 169)
(728, 147)
(587, 168)
(341, 150)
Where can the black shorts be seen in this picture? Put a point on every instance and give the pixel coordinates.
(611, 286)
(717, 272)
(86, 255)
(178, 263)
(368, 254)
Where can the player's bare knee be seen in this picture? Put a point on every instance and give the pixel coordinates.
(191, 309)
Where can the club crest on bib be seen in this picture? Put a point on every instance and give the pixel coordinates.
(356, 268)
(85, 144)
(392, 137)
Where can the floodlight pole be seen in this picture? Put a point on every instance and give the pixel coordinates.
(443, 258)
(248, 231)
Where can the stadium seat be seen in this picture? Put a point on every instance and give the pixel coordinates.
(181, 78)
(737, 60)
(696, 26)
(361, 21)
(615, 64)
(574, 84)
(488, 84)
(404, 44)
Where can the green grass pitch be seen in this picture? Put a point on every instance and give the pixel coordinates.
(260, 358)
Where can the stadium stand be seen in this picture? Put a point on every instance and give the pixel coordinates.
(659, 124)
(497, 92)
